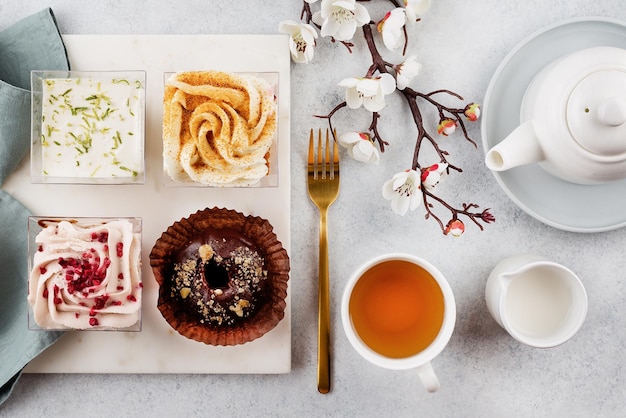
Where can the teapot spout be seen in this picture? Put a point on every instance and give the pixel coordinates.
(521, 147)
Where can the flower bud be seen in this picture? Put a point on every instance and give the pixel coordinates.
(472, 112)
(455, 228)
(446, 126)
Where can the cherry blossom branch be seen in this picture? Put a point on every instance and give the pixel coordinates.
(330, 115)
(374, 129)
(421, 179)
(484, 216)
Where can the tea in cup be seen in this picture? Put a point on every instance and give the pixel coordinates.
(398, 312)
(538, 302)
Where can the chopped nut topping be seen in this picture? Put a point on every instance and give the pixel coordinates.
(237, 308)
(246, 271)
(206, 252)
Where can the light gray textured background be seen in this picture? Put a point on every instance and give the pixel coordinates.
(483, 371)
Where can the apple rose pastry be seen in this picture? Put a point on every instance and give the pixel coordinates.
(86, 277)
(218, 127)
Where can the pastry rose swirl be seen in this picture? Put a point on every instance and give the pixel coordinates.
(218, 127)
(86, 277)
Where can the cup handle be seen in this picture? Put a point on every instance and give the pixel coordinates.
(428, 377)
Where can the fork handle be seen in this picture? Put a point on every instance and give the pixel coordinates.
(323, 310)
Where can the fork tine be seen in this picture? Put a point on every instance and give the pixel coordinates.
(335, 151)
(334, 163)
(311, 149)
(319, 172)
(328, 163)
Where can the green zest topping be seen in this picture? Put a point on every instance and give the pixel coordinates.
(81, 116)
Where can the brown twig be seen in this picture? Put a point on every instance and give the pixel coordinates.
(413, 97)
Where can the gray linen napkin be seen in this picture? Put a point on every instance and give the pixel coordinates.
(33, 43)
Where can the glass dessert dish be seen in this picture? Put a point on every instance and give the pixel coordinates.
(220, 129)
(88, 127)
(84, 273)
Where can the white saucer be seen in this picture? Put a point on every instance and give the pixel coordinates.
(563, 205)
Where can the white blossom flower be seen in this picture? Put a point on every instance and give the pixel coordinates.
(415, 8)
(360, 147)
(407, 71)
(431, 176)
(403, 191)
(301, 40)
(368, 92)
(391, 28)
(340, 18)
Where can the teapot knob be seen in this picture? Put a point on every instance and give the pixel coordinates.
(596, 114)
(612, 111)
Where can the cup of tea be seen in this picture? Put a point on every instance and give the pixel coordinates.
(538, 302)
(398, 312)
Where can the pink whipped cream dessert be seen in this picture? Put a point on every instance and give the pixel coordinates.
(86, 276)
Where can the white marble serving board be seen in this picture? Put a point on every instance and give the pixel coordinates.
(158, 348)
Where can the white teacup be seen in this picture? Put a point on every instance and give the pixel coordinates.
(538, 302)
(398, 312)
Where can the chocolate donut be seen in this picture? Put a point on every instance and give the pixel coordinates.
(220, 276)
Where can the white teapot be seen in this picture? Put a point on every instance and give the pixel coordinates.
(573, 119)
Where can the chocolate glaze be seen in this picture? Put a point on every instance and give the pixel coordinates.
(218, 284)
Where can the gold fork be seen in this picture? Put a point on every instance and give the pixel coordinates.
(323, 184)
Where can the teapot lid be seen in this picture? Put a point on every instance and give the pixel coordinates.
(596, 112)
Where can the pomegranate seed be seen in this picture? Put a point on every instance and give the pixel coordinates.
(57, 301)
(92, 311)
(40, 248)
(131, 298)
(120, 276)
(45, 293)
(94, 236)
(93, 322)
(106, 248)
(116, 303)
(119, 249)
(120, 287)
(140, 285)
(76, 315)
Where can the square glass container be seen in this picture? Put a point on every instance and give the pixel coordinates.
(84, 274)
(88, 127)
(208, 121)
